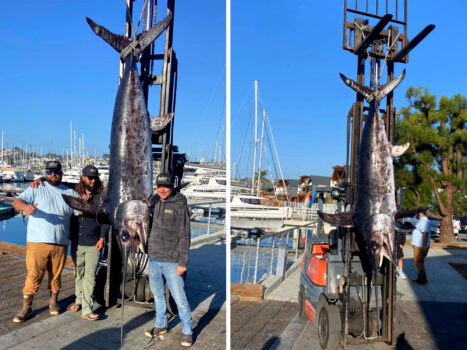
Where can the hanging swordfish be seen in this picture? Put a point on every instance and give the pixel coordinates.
(126, 199)
(374, 213)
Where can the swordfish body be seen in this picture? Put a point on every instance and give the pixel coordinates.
(373, 215)
(128, 192)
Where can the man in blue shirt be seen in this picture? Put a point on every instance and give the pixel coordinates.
(421, 237)
(47, 236)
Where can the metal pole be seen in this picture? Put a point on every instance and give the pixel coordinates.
(209, 217)
(298, 243)
(249, 264)
(258, 191)
(254, 139)
(272, 254)
(256, 260)
(243, 266)
(109, 266)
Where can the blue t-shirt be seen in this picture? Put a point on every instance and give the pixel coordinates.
(423, 225)
(50, 222)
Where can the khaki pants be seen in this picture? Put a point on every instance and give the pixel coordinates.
(39, 258)
(419, 259)
(87, 260)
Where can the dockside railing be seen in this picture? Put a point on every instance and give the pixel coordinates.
(202, 206)
(280, 244)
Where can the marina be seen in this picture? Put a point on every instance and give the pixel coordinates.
(233, 175)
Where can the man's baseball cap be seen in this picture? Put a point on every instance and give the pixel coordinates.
(90, 170)
(164, 179)
(53, 165)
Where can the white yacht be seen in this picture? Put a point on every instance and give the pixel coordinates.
(10, 174)
(214, 189)
(195, 174)
(246, 206)
(71, 176)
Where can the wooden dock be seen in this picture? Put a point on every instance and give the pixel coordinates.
(13, 275)
(257, 325)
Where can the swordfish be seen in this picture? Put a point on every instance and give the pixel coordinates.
(126, 201)
(374, 213)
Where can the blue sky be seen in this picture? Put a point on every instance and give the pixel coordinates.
(294, 49)
(54, 69)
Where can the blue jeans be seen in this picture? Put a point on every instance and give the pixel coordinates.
(176, 287)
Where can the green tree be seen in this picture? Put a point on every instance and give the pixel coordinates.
(433, 167)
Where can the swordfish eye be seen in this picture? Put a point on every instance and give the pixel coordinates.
(374, 245)
(124, 236)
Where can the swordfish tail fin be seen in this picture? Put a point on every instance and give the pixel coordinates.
(387, 88)
(120, 43)
(145, 39)
(362, 90)
(371, 94)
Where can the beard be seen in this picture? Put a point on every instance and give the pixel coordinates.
(91, 189)
(54, 182)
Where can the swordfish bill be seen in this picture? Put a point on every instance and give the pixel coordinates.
(128, 192)
(373, 215)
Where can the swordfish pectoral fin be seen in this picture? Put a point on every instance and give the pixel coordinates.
(160, 122)
(118, 42)
(340, 219)
(399, 150)
(82, 205)
(145, 39)
(362, 90)
(405, 227)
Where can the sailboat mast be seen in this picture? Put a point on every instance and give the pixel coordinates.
(261, 153)
(254, 138)
(71, 143)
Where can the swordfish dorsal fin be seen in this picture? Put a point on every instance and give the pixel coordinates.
(120, 43)
(371, 94)
(399, 150)
(160, 122)
(341, 219)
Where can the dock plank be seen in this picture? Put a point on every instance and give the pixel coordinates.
(258, 324)
(13, 275)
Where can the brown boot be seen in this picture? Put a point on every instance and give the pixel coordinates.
(26, 310)
(53, 306)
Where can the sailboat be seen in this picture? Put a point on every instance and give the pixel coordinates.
(253, 206)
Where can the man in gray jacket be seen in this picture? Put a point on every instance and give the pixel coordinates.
(168, 246)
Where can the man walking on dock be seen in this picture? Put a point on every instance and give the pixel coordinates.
(48, 234)
(168, 247)
(421, 237)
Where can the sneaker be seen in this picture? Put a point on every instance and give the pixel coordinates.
(187, 340)
(401, 275)
(155, 332)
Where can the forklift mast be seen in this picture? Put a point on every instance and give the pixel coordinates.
(375, 30)
(164, 60)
